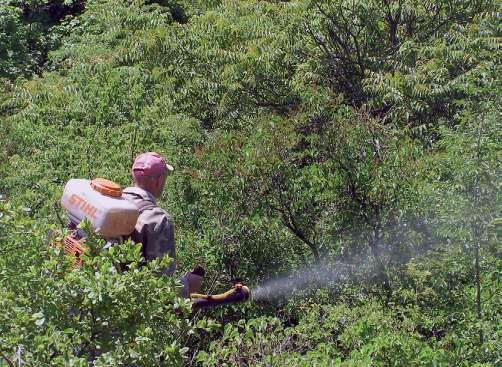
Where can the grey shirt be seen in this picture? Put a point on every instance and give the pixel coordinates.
(154, 228)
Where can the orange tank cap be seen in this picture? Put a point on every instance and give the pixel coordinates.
(106, 187)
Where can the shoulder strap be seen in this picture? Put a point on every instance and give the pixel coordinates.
(145, 206)
(142, 207)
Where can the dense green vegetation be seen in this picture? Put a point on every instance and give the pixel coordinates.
(304, 134)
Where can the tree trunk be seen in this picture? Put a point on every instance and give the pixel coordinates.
(374, 243)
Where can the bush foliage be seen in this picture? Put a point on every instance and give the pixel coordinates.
(345, 134)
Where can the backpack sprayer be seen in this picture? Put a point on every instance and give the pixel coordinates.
(114, 218)
(100, 201)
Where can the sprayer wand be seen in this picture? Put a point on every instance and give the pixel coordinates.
(238, 293)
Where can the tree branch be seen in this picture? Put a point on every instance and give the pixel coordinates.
(7, 360)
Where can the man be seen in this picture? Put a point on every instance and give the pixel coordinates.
(154, 228)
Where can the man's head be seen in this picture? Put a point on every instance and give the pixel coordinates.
(149, 171)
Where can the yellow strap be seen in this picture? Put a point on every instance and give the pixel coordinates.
(198, 295)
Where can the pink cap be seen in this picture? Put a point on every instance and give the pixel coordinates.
(150, 164)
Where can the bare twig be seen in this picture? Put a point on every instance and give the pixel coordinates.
(475, 230)
(56, 210)
(7, 360)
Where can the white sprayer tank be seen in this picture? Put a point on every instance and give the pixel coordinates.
(101, 202)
